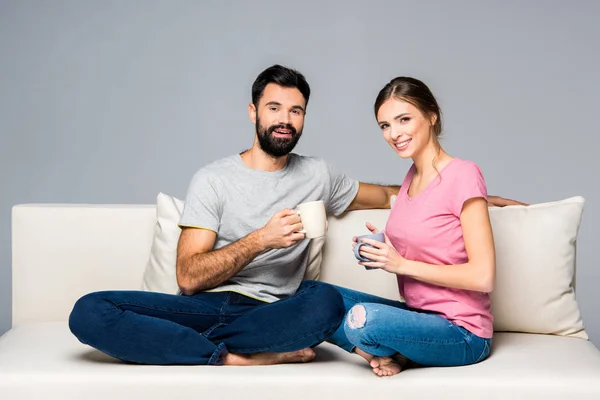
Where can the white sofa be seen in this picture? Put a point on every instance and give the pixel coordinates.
(61, 252)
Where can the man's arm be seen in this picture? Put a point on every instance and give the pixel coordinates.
(199, 267)
(498, 201)
(371, 196)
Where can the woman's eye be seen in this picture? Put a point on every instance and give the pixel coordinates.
(383, 126)
(405, 119)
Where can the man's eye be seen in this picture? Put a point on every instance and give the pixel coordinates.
(296, 112)
(273, 108)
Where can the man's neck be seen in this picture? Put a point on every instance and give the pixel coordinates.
(255, 158)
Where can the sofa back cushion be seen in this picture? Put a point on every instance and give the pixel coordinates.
(62, 251)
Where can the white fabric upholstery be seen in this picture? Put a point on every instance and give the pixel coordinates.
(535, 276)
(61, 252)
(159, 274)
(43, 360)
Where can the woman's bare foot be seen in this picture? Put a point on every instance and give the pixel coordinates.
(300, 356)
(385, 366)
(363, 354)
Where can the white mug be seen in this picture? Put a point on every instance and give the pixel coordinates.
(314, 218)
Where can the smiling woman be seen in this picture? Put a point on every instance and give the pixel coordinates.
(438, 241)
(409, 117)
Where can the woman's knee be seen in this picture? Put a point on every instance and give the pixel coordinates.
(356, 325)
(356, 317)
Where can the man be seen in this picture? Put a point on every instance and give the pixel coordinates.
(241, 257)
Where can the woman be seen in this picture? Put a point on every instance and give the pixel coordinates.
(439, 243)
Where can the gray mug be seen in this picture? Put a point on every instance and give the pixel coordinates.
(374, 236)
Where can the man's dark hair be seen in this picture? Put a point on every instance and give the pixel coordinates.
(281, 76)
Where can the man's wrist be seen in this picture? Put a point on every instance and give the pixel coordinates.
(258, 237)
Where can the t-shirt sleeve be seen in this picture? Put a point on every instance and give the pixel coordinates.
(202, 208)
(343, 190)
(469, 183)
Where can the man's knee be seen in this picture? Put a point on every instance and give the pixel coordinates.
(87, 316)
(331, 296)
(327, 300)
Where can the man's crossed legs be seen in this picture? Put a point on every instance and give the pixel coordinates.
(213, 328)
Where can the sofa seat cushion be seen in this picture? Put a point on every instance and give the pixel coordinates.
(43, 360)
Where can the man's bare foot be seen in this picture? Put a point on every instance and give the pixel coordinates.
(385, 366)
(300, 356)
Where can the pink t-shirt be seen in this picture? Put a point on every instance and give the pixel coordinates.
(427, 228)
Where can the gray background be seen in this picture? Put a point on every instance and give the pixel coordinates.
(114, 101)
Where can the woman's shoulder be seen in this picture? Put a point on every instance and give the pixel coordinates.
(463, 168)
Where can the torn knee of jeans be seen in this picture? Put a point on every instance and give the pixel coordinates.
(357, 317)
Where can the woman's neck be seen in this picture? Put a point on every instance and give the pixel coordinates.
(430, 160)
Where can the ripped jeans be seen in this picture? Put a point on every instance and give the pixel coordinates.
(383, 327)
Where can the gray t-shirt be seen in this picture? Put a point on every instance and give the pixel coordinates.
(234, 200)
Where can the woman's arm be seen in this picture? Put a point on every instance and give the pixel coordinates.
(477, 274)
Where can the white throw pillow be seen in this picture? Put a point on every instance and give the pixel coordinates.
(535, 268)
(160, 275)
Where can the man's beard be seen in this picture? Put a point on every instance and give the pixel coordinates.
(274, 146)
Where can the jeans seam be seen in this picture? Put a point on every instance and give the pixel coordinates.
(217, 356)
(355, 300)
(223, 305)
(212, 328)
(161, 309)
(120, 304)
(421, 341)
(483, 354)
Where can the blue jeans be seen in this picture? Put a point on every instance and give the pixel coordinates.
(156, 328)
(391, 328)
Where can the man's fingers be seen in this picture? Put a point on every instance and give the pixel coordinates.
(292, 219)
(296, 237)
(285, 212)
(498, 201)
(296, 227)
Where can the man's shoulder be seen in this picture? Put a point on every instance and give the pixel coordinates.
(304, 160)
(215, 170)
(218, 166)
